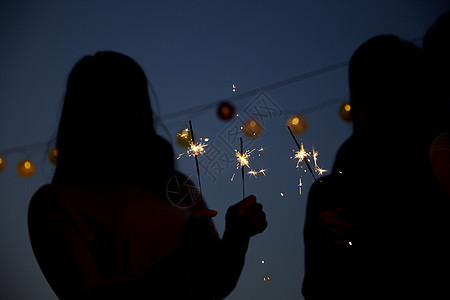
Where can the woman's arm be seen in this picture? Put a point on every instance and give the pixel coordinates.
(225, 262)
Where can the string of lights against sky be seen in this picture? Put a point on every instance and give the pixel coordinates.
(272, 60)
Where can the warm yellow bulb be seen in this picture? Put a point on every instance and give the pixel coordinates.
(25, 168)
(297, 123)
(251, 128)
(347, 107)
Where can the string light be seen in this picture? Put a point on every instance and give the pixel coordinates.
(345, 111)
(53, 156)
(2, 164)
(225, 111)
(251, 128)
(298, 124)
(25, 168)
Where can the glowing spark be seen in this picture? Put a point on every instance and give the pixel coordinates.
(300, 185)
(252, 172)
(243, 158)
(301, 152)
(242, 169)
(179, 156)
(184, 134)
(350, 243)
(281, 194)
(320, 171)
(255, 173)
(234, 87)
(300, 155)
(262, 261)
(243, 161)
(197, 148)
(315, 153)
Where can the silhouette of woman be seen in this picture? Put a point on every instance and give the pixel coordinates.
(104, 228)
(368, 224)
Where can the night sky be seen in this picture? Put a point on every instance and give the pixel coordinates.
(193, 52)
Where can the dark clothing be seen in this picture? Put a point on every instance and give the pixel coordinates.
(396, 251)
(120, 242)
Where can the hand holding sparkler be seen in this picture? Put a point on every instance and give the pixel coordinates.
(244, 220)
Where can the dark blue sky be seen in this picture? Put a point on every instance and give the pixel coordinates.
(192, 51)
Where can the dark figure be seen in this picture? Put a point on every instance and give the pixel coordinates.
(436, 46)
(369, 231)
(105, 228)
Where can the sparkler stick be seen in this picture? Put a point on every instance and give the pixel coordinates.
(299, 149)
(242, 171)
(196, 158)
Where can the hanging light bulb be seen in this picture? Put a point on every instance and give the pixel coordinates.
(298, 123)
(184, 138)
(2, 164)
(345, 111)
(25, 168)
(53, 156)
(225, 111)
(252, 128)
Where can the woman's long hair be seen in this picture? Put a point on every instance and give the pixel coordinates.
(106, 132)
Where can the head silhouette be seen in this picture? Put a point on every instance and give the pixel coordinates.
(106, 130)
(385, 85)
(436, 47)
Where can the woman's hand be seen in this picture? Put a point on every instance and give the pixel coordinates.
(245, 219)
(333, 230)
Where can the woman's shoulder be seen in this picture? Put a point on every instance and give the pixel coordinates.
(54, 194)
(45, 193)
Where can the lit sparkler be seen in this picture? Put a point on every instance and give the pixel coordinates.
(243, 161)
(195, 150)
(301, 153)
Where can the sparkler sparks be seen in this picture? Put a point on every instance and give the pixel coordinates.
(300, 185)
(243, 161)
(301, 153)
(318, 169)
(255, 173)
(195, 150)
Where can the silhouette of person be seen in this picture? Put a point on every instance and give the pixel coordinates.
(436, 46)
(369, 230)
(105, 228)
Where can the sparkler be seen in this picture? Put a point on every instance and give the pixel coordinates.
(301, 154)
(244, 162)
(196, 149)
